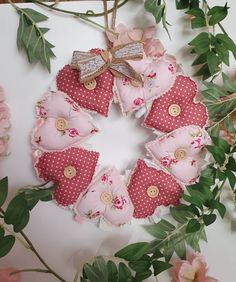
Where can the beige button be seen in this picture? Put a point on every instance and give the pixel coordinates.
(90, 85)
(61, 124)
(174, 110)
(106, 198)
(180, 154)
(152, 191)
(70, 172)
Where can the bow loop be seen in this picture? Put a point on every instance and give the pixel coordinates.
(91, 65)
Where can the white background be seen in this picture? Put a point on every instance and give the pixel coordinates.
(64, 244)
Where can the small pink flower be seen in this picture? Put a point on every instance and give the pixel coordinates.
(171, 68)
(197, 143)
(104, 178)
(5, 275)
(41, 112)
(138, 101)
(119, 202)
(166, 161)
(37, 139)
(194, 269)
(152, 75)
(74, 106)
(73, 132)
(193, 162)
(126, 81)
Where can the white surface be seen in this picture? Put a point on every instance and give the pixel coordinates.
(64, 244)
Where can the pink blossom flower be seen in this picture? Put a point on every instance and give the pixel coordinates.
(119, 202)
(138, 101)
(4, 118)
(40, 111)
(197, 143)
(166, 161)
(104, 178)
(73, 132)
(126, 35)
(194, 269)
(5, 275)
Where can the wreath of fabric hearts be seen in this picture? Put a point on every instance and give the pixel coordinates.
(136, 73)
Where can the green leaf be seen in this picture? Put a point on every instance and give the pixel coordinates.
(221, 143)
(214, 131)
(124, 274)
(3, 190)
(159, 229)
(157, 254)
(31, 38)
(181, 4)
(132, 252)
(180, 247)
(232, 178)
(6, 244)
(212, 62)
(222, 53)
(160, 266)
(17, 213)
(219, 206)
(209, 219)
(217, 14)
(200, 60)
(155, 9)
(112, 271)
(231, 165)
(193, 226)
(204, 72)
(2, 232)
(140, 265)
(141, 276)
(217, 153)
(201, 43)
(228, 84)
(93, 274)
(227, 42)
(100, 264)
(180, 215)
(196, 12)
(193, 239)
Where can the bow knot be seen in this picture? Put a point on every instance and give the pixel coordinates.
(115, 59)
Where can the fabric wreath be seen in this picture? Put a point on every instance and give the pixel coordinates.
(106, 198)
(149, 188)
(180, 152)
(158, 76)
(60, 123)
(72, 170)
(177, 108)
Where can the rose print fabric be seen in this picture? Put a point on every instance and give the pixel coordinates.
(106, 198)
(72, 170)
(180, 152)
(149, 188)
(177, 107)
(60, 123)
(95, 97)
(158, 77)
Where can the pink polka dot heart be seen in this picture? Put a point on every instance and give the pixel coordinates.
(149, 188)
(96, 99)
(72, 170)
(181, 95)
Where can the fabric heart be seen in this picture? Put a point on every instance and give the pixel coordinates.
(149, 188)
(95, 96)
(158, 76)
(72, 170)
(180, 152)
(106, 198)
(60, 123)
(177, 108)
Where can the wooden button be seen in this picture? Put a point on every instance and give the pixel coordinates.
(61, 124)
(180, 154)
(90, 85)
(152, 191)
(106, 198)
(174, 110)
(70, 172)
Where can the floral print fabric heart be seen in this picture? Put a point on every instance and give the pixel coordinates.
(60, 123)
(179, 152)
(149, 188)
(158, 76)
(72, 170)
(106, 198)
(95, 96)
(177, 108)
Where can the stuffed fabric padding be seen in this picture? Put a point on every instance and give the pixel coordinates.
(54, 106)
(144, 177)
(158, 77)
(51, 167)
(191, 139)
(182, 93)
(96, 100)
(91, 205)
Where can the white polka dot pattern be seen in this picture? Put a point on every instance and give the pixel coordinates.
(182, 94)
(97, 99)
(142, 178)
(51, 166)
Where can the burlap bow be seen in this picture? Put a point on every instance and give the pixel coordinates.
(115, 59)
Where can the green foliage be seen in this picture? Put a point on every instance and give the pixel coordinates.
(3, 190)
(30, 37)
(184, 4)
